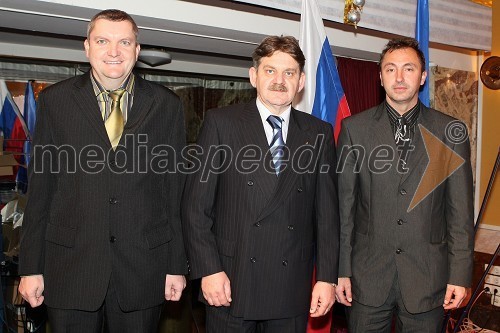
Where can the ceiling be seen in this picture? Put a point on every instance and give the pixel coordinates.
(60, 26)
(52, 25)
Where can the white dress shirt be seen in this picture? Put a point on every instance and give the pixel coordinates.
(265, 113)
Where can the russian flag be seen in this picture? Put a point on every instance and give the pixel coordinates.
(323, 95)
(422, 35)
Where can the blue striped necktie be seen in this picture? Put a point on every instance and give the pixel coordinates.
(277, 144)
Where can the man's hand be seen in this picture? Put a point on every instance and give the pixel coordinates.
(174, 285)
(323, 297)
(31, 289)
(343, 292)
(454, 296)
(216, 289)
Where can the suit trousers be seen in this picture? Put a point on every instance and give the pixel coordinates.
(108, 318)
(219, 320)
(368, 319)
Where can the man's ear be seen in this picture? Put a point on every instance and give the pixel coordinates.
(302, 81)
(86, 45)
(252, 72)
(137, 51)
(424, 76)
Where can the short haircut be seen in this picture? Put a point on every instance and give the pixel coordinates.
(114, 15)
(403, 43)
(285, 44)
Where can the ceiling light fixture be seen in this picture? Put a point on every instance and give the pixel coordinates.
(154, 57)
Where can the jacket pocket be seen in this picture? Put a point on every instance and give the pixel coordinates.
(60, 235)
(159, 236)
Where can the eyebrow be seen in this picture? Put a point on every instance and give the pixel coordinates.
(404, 65)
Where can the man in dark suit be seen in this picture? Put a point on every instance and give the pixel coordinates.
(101, 238)
(262, 209)
(406, 212)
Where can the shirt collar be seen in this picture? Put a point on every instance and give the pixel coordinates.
(128, 85)
(410, 116)
(265, 113)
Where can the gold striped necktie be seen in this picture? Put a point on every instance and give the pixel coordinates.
(114, 124)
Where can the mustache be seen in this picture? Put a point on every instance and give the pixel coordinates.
(278, 87)
(400, 86)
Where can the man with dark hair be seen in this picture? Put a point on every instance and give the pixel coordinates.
(406, 244)
(101, 242)
(265, 211)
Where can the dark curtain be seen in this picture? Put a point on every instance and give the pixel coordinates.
(361, 83)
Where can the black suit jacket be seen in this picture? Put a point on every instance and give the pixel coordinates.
(426, 247)
(94, 213)
(265, 232)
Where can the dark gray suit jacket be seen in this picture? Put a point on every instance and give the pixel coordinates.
(93, 213)
(428, 246)
(265, 232)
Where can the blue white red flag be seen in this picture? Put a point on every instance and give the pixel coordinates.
(30, 119)
(323, 95)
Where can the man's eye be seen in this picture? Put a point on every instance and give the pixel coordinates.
(101, 41)
(270, 71)
(126, 42)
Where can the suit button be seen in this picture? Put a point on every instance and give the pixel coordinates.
(398, 251)
(250, 183)
(257, 224)
(290, 227)
(253, 260)
(112, 239)
(400, 222)
(299, 189)
(113, 201)
(284, 262)
(402, 191)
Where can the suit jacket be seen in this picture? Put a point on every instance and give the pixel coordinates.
(95, 214)
(425, 247)
(265, 232)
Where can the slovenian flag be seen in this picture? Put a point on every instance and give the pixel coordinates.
(30, 119)
(422, 35)
(9, 112)
(323, 95)
(12, 125)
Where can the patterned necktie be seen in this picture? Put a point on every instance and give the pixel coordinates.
(114, 124)
(402, 132)
(277, 144)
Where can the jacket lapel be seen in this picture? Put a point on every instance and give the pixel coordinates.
(142, 103)
(296, 137)
(253, 133)
(86, 102)
(416, 156)
(383, 136)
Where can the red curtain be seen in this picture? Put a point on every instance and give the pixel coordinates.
(361, 83)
